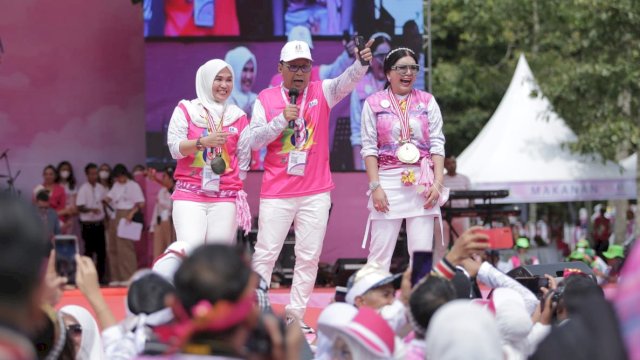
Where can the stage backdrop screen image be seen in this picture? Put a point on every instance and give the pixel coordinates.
(181, 35)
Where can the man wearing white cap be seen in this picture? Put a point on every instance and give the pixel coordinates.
(292, 120)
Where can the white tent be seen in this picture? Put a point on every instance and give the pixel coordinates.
(521, 149)
(630, 164)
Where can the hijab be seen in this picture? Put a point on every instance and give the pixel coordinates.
(512, 319)
(237, 58)
(91, 342)
(462, 330)
(204, 84)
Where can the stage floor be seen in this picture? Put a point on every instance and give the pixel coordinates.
(116, 298)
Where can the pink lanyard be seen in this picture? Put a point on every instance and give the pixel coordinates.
(405, 132)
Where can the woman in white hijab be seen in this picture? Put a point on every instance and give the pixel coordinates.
(210, 138)
(244, 64)
(462, 330)
(82, 328)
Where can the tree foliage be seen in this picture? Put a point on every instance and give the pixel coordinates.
(585, 55)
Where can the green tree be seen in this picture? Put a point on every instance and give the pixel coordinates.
(585, 55)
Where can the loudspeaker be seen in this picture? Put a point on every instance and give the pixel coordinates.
(344, 268)
(555, 270)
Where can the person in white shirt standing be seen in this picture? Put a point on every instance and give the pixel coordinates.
(90, 208)
(127, 199)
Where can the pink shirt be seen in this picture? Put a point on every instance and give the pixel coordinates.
(269, 128)
(189, 169)
(276, 183)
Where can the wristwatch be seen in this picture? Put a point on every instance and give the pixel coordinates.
(199, 145)
(374, 185)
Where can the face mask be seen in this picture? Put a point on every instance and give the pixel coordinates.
(65, 174)
(104, 175)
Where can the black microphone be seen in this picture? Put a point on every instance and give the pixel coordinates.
(293, 98)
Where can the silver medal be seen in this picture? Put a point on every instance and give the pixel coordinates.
(408, 153)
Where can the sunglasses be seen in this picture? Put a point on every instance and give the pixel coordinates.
(404, 69)
(294, 68)
(74, 329)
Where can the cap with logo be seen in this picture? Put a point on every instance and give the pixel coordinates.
(295, 50)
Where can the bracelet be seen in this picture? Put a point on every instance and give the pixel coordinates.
(199, 145)
(374, 185)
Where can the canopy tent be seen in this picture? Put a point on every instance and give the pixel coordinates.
(521, 149)
(630, 164)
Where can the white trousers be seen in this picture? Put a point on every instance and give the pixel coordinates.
(309, 215)
(384, 234)
(205, 223)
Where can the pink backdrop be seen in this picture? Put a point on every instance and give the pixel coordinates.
(71, 85)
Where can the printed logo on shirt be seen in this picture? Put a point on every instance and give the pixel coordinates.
(233, 129)
(313, 103)
(290, 137)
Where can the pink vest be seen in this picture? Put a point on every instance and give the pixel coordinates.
(388, 126)
(189, 169)
(276, 183)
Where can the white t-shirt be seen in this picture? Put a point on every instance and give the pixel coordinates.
(91, 198)
(125, 196)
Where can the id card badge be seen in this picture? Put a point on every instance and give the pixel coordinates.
(203, 12)
(210, 180)
(297, 163)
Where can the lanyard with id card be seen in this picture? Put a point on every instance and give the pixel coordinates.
(298, 158)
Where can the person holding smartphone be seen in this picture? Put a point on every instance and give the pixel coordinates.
(210, 138)
(403, 151)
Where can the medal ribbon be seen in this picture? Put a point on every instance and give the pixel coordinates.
(215, 128)
(405, 130)
(300, 134)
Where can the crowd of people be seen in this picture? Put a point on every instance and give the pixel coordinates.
(92, 211)
(207, 299)
(208, 303)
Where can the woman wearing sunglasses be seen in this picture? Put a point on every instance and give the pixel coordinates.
(403, 151)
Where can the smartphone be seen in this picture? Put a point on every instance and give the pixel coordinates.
(499, 238)
(359, 41)
(66, 247)
(421, 266)
(341, 294)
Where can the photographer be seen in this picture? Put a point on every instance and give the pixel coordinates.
(587, 324)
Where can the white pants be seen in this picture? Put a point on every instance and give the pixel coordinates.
(309, 215)
(384, 234)
(200, 222)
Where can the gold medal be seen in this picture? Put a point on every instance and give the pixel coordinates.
(408, 153)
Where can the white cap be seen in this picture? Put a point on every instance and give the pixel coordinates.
(371, 276)
(295, 50)
(301, 33)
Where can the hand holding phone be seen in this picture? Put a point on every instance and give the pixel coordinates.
(421, 266)
(360, 43)
(66, 247)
